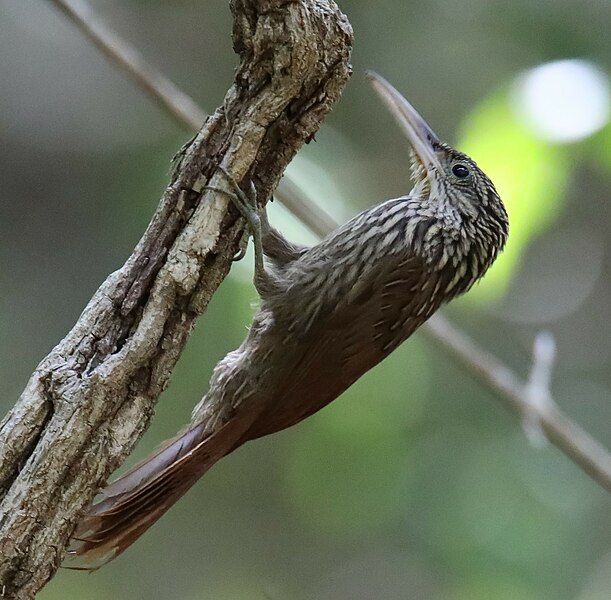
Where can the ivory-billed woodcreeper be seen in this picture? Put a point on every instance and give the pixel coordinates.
(328, 314)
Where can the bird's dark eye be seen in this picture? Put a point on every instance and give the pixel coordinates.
(460, 171)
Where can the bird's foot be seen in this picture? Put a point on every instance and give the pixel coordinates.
(255, 217)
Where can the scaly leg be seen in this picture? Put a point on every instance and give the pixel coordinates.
(264, 281)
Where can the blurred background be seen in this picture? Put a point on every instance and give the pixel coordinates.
(416, 483)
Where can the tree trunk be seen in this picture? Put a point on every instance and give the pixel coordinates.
(92, 397)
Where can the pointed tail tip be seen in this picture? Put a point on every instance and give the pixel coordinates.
(135, 501)
(84, 555)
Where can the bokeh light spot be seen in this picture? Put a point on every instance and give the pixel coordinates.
(564, 100)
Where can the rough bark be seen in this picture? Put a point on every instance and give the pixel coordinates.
(91, 398)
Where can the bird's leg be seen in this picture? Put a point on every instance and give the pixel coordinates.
(257, 224)
(265, 226)
(276, 247)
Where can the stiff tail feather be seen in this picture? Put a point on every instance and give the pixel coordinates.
(136, 500)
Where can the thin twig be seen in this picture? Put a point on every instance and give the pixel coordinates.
(538, 388)
(569, 437)
(522, 398)
(158, 87)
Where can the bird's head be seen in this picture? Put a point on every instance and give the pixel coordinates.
(450, 186)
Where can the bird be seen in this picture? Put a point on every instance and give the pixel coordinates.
(328, 313)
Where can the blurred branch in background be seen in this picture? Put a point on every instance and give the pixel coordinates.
(159, 88)
(532, 401)
(577, 444)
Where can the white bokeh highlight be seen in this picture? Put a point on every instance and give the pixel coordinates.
(563, 101)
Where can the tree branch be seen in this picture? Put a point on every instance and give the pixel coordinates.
(158, 87)
(565, 434)
(91, 398)
(584, 451)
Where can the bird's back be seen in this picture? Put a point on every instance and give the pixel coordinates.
(345, 333)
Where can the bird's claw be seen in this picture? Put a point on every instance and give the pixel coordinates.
(243, 247)
(245, 203)
(249, 209)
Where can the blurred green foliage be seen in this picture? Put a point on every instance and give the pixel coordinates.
(530, 175)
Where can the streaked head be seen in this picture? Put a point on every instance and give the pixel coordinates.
(450, 184)
(436, 167)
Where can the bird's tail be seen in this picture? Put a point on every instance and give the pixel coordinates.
(135, 501)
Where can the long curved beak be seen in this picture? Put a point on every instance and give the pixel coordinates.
(421, 137)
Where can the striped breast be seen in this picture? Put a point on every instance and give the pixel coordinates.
(380, 311)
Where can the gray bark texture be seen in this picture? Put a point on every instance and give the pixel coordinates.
(89, 401)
